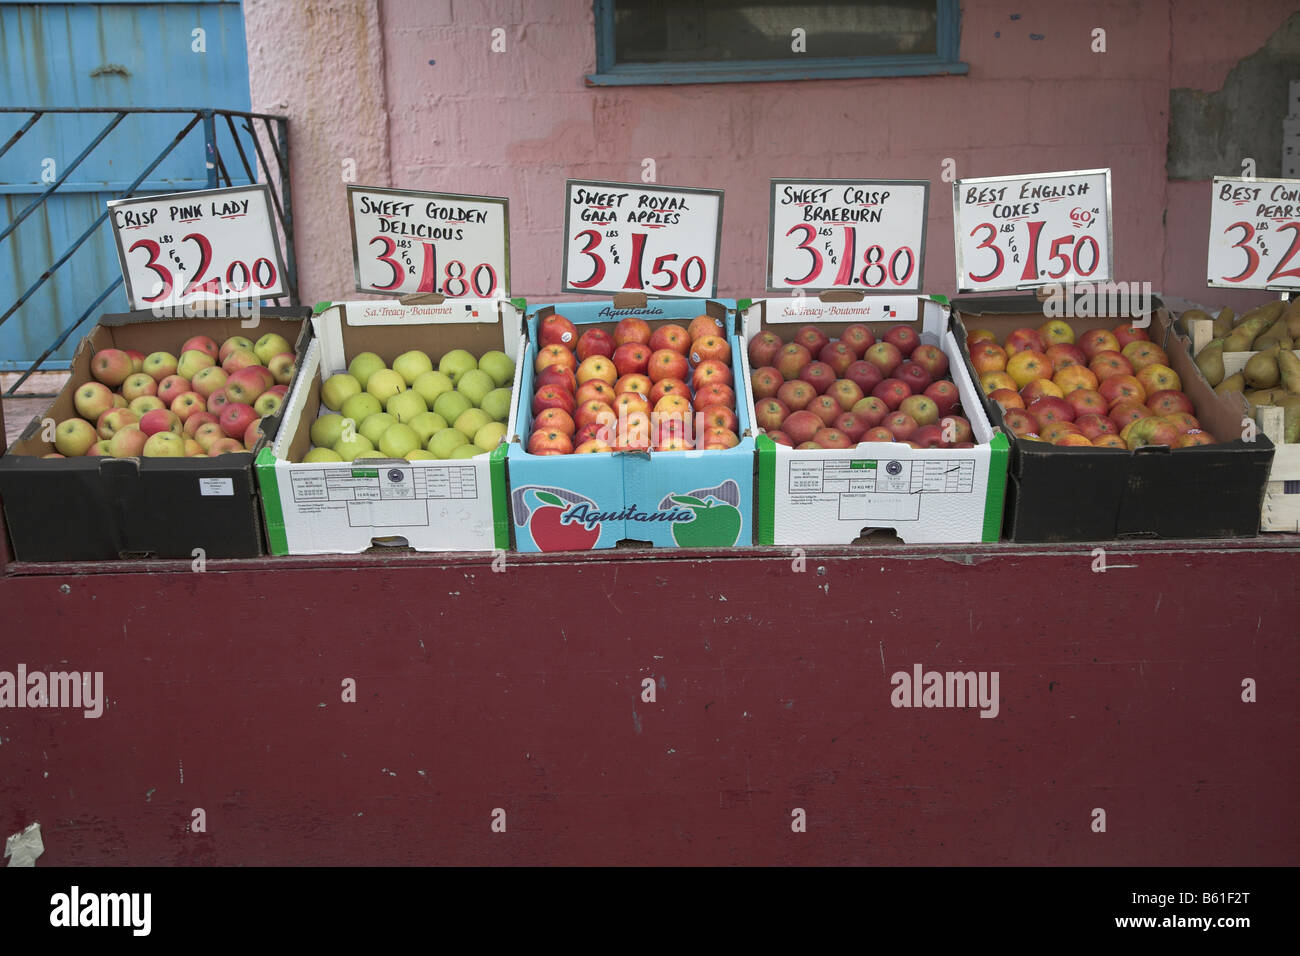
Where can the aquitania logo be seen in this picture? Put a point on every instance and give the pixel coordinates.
(77, 689)
(946, 689)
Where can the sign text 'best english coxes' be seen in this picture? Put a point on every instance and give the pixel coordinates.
(407, 242)
(209, 245)
(623, 237)
(1019, 232)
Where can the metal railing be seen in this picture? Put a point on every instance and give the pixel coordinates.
(270, 150)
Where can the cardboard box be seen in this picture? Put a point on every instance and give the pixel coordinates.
(665, 499)
(929, 495)
(1281, 509)
(347, 508)
(1103, 494)
(98, 509)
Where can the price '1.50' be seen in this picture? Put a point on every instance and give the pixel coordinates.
(898, 268)
(1080, 255)
(691, 275)
(238, 276)
(482, 279)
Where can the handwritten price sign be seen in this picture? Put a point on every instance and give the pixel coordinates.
(661, 240)
(214, 245)
(1254, 234)
(1019, 232)
(406, 242)
(840, 233)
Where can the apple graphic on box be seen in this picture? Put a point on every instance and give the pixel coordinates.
(358, 408)
(74, 437)
(432, 384)
(383, 384)
(192, 362)
(411, 365)
(334, 391)
(497, 403)
(499, 365)
(716, 524)
(374, 426)
(363, 365)
(111, 367)
(457, 362)
(270, 345)
(233, 343)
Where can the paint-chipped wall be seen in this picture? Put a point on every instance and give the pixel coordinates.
(518, 123)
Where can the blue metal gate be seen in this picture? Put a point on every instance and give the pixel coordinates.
(109, 69)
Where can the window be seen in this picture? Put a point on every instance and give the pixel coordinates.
(723, 41)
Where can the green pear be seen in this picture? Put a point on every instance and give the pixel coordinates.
(337, 389)
(499, 366)
(497, 404)
(426, 425)
(359, 445)
(411, 365)
(364, 365)
(374, 426)
(406, 405)
(456, 363)
(318, 455)
(432, 384)
(475, 385)
(471, 420)
(362, 406)
(490, 435)
(398, 440)
(451, 405)
(446, 442)
(385, 383)
(326, 430)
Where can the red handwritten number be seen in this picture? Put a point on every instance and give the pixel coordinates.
(988, 244)
(1277, 273)
(1056, 253)
(387, 256)
(154, 251)
(492, 276)
(848, 257)
(686, 283)
(1030, 272)
(634, 280)
(1096, 256)
(598, 272)
(659, 267)
(894, 277)
(809, 235)
(1252, 257)
(213, 285)
(428, 268)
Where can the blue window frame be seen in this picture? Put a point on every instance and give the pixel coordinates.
(736, 41)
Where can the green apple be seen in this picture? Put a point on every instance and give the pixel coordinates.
(317, 455)
(497, 404)
(359, 445)
(364, 365)
(426, 425)
(398, 440)
(471, 420)
(456, 363)
(375, 425)
(451, 405)
(490, 435)
(411, 365)
(327, 430)
(385, 383)
(419, 454)
(406, 405)
(499, 366)
(468, 451)
(475, 385)
(271, 345)
(360, 407)
(432, 384)
(446, 442)
(338, 389)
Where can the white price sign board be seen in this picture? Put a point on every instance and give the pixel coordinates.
(408, 242)
(1020, 232)
(1254, 234)
(210, 245)
(847, 234)
(622, 237)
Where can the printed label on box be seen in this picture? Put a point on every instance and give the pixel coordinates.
(224, 487)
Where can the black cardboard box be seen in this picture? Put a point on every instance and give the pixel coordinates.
(1101, 494)
(94, 508)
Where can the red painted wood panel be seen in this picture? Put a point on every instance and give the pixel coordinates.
(521, 690)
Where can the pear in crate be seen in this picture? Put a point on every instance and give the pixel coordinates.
(1210, 362)
(1261, 370)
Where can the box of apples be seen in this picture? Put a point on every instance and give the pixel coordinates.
(1114, 434)
(867, 424)
(394, 433)
(632, 425)
(146, 450)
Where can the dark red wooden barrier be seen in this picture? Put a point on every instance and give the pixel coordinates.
(521, 691)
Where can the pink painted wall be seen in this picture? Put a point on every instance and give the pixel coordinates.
(410, 90)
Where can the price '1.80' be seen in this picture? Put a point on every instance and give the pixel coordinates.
(876, 268)
(481, 281)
